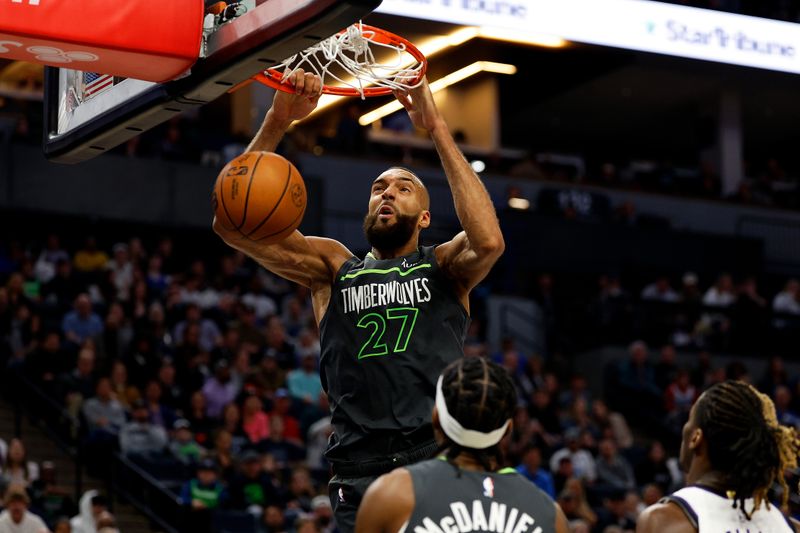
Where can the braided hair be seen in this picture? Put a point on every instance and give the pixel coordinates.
(746, 443)
(480, 395)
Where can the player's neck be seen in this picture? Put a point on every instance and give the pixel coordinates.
(407, 249)
(466, 461)
(710, 478)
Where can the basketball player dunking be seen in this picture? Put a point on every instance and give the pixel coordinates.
(462, 490)
(389, 323)
(732, 451)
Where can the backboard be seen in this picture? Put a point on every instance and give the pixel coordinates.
(78, 128)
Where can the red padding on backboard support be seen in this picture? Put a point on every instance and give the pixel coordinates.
(143, 39)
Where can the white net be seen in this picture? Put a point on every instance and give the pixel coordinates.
(349, 58)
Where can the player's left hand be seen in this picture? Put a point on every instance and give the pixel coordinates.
(287, 107)
(420, 106)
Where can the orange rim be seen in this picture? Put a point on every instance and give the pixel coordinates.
(273, 78)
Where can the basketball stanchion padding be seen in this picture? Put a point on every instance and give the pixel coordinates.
(348, 65)
(141, 39)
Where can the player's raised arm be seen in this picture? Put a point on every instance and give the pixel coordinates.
(472, 253)
(309, 261)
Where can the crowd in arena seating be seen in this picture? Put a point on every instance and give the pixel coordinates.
(205, 372)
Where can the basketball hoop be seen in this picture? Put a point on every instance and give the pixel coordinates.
(349, 59)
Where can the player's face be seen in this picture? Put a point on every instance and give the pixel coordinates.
(396, 210)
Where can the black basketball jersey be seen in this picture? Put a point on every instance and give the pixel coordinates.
(390, 329)
(448, 499)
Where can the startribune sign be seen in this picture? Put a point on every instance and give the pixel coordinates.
(631, 24)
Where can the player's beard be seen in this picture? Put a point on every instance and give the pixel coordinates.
(389, 237)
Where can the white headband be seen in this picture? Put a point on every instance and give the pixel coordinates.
(468, 438)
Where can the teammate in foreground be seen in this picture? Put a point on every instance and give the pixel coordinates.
(391, 322)
(462, 490)
(733, 449)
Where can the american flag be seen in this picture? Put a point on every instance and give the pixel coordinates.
(95, 83)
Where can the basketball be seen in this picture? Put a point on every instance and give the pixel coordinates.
(260, 195)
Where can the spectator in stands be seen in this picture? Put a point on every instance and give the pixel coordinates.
(15, 467)
(82, 323)
(160, 414)
(300, 490)
(157, 281)
(788, 300)
(232, 423)
(219, 390)
(140, 437)
(636, 384)
(305, 524)
(578, 388)
(613, 513)
(651, 494)
(80, 383)
(16, 518)
(46, 362)
(210, 336)
(60, 292)
(678, 400)
(613, 470)
(92, 506)
(323, 514)
(255, 421)
(660, 291)
(61, 525)
(183, 446)
(749, 317)
(656, 469)
(198, 418)
(277, 344)
(117, 334)
(172, 395)
(690, 290)
(105, 416)
(121, 269)
(583, 464)
(48, 260)
(282, 404)
(303, 383)
(273, 520)
(665, 369)
(581, 509)
(90, 258)
(252, 488)
(531, 468)
(612, 424)
(774, 376)
(222, 453)
(721, 293)
(125, 393)
(203, 494)
(783, 410)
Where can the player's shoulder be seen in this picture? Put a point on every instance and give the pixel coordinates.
(333, 252)
(388, 487)
(664, 517)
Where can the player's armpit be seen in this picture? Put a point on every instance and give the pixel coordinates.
(465, 263)
(387, 505)
(664, 518)
(309, 261)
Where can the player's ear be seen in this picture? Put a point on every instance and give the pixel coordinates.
(424, 219)
(696, 439)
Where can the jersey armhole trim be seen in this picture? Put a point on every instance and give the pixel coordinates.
(684, 506)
